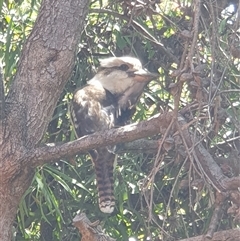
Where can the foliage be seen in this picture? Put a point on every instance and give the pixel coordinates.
(155, 198)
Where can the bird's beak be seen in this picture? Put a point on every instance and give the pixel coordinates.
(143, 75)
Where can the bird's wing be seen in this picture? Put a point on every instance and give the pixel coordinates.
(92, 110)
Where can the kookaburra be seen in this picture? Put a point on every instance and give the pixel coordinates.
(108, 101)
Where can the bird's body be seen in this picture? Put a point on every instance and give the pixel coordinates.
(108, 101)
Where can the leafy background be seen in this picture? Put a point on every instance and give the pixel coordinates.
(160, 195)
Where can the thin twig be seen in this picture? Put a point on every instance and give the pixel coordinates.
(195, 32)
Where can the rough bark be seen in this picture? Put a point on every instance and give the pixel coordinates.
(44, 67)
(128, 133)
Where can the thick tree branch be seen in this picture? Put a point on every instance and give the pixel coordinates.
(154, 125)
(143, 145)
(128, 133)
(45, 65)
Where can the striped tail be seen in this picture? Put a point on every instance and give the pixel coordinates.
(104, 164)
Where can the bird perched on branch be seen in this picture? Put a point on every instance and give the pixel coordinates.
(108, 101)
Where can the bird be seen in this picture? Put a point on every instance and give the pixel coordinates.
(107, 101)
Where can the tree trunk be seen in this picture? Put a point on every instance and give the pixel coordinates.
(44, 67)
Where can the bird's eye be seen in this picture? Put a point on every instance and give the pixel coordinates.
(124, 67)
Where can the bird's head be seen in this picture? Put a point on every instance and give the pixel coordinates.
(124, 77)
(117, 74)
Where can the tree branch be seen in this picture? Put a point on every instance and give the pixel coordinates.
(219, 208)
(155, 125)
(128, 133)
(45, 65)
(206, 163)
(90, 231)
(144, 145)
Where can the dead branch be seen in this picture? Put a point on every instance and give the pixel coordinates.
(89, 231)
(217, 213)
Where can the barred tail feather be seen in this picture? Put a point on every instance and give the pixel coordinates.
(104, 162)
